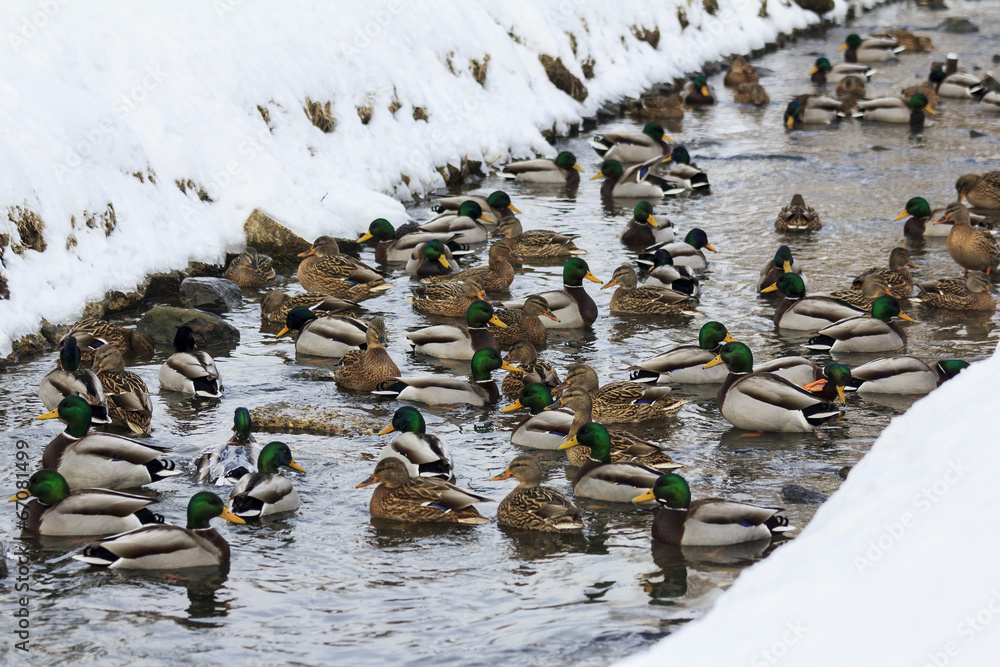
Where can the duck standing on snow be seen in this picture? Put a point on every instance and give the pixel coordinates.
(190, 372)
(563, 170)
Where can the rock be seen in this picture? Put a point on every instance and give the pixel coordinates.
(818, 6)
(562, 78)
(160, 324)
(844, 472)
(301, 418)
(218, 295)
(26, 345)
(975, 134)
(53, 333)
(996, 58)
(159, 285)
(958, 25)
(272, 238)
(794, 493)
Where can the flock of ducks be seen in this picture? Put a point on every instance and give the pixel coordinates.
(77, 491)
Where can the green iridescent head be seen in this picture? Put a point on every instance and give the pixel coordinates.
(406, 420)
(918, 208)
(596, 437)
(242, 423)
(566, 160)
(952, 367)
(499, 200)
(711, 334)
(611, 169)
(205, 506)
(575, 270)
(479, 314)
(471, 209)
(535, 396)
(643, 213)
(736, 356)
(75, 413)
(672, 490)
(275, 455)
(380, 229)
(48, 486)
(653, 130)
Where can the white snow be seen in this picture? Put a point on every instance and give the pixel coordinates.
(95, 94)
(897, 568)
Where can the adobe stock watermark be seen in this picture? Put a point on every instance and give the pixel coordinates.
(30, 25)
(122, 106)
(967, 630)
(778, 649)
(21, 628)
(922, 502)
(372, 29)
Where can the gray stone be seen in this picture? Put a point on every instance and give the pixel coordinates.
(218, 295)
(160, 324)
(958, 25)
(793, 493)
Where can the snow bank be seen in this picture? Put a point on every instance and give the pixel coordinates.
(107, 109)
(896, 568)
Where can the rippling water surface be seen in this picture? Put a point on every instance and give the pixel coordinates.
(325, 585)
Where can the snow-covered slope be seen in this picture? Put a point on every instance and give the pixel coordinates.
(897, 568)
(106, 108)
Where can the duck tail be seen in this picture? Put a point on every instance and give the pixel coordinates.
(644, 376)
(161, 468)
(146, 516)
(820, 342)
(600, 145)
(820, 413)
(391, 388)
(96, 555)
(778, 523)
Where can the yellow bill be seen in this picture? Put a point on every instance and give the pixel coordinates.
(644, 498)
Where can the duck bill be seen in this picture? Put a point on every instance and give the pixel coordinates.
(510, 367)
(295, 466)
(309, 253)
(610, 284)
(504, 475)
(813, 71)
(714, 362)
(840, 395)
(929, 110)
(907, 317)
(946, 219)
(580, 169)
(652, 221)
(592, 278)
(388, 429)
(444, 262)
(53, 414)
(368, 482)
(773, 287)
(482, 295)
(516, 405)
(513, 208)
(704, 91)
(281, 333)
(814, 387)
(708, 246)
(569, 444)
(485, 218)
(596, 176)
(787, 267)
(644, 498)
(900, 216)
(912, 265)
(497, 322)
(843, 47)
(229, 516)
(20, 496)
(550, 315)
(365, 237)
(729, 339)
(790, 122)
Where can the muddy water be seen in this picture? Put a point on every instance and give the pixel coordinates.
(327, 586)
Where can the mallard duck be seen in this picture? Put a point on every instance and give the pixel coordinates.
(923, 221)
(872, 287)
(190, 372)
(631, 147)
(855, 88)
(683, 173)
(823, 72)
(524, 324)
(599, 477)
(643, 229)
(782, 263)
(685, 364)
(663, 273)
(923, 88)
(366, 370)
(797, 370)
(423, 455)
(419, 499)
(497, 206)
(697, 91)
(536, 242)
(400, 245)
(324, 270)
(330, 337)
(895, 110)
(660, 107)
(832, 383)
(497, 275)
(543, 429)
(912, 43)
(709, 521)
(973, 293)
(636, 181)
(100, 460)
(957, 85)
(129, 404)
(266, 491)
(869, 50)
(70, 380)
(276, 305)
(689, 251)
(625, 446)
(533, 506)
(982, 190)
(249, 269)
(903, 375)
(454, 341)
(465, 225)
(55, 510)
(435, 390)
(812, 110)
(877, 333)
(765, 401)
(971, 247)
(449, 299)
(630, 299)
(431, 259)
(91, 334)
(897, 275)
(523, 355)
(166, 547)
(571, 306)
(623, 401)
(797, 217)
(740, 72)
(751, 93)
(227, 463)
(806, 313)
(562, 170)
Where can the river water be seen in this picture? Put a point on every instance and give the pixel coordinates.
(326, 586)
